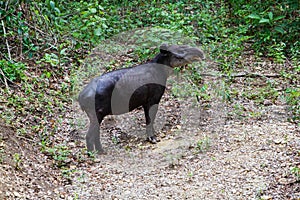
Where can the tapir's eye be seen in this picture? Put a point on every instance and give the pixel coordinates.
(178, 57)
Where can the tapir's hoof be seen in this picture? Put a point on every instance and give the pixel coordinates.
(95, 152)
(102, 152)
(153, 139)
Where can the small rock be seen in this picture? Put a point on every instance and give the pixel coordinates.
(17, 194)
(127, 192)
(72, 144)
(278, 141)
(266, 197)
(267, 102)
(97, 160)
(72, 167)
(2, 144)
(283, 181)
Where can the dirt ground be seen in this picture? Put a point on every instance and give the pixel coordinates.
(207, 150)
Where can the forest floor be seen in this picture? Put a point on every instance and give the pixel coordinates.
(209, 149)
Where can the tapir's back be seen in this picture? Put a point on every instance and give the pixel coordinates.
(124, 90)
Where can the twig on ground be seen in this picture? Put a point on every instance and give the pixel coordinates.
(24, 138)
(254, 75)
(243, 74)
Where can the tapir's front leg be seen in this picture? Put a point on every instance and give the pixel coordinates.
(150, 113)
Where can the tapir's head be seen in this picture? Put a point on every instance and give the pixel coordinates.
(180, 55)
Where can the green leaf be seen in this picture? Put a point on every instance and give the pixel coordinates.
(98, 31)
(279, 29)
(76, 34)
(52, 4)
(104, 26)
(83, 28)
(100, 7)
(264, 20)
(57, 10)
(48, 74)
(279, 17)
(63, 51)
(270, 16)
(93, 10)
(84, 13)
(253, 16)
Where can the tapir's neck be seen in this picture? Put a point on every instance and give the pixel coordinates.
(164, 62)
(161, 59)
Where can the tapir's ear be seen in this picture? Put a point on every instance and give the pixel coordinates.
(164, 49)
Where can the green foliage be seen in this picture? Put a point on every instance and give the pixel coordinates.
(269, 23)
(144, 53)
(16, 27)
(67, 173)
(59, 153)
(203, 145)
(13, 71)
(260, 95)
(293, 99)
(296, 172)
(90, 22)
(17, 161)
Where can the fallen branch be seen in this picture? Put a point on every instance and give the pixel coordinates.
(243, 74)
(254, 75)
(24, 138)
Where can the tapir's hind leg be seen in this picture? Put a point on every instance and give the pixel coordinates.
(93, 135)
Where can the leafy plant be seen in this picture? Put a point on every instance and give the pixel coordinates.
(13, 71)
(17, 161)
(270, 23)
(67, 173)
(92, 155)
(203, 145)
(59, 153)
(293, 99)
(144, 53)
(296, 172)
(267, 19)
(90, 22)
